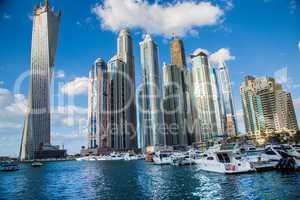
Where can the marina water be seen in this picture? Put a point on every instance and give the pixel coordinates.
(140, 180)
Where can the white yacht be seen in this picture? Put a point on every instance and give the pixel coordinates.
(36, 164)
(87, 158)
(162, 158)
(291, 150)
(111, 157)
(131, 156)
(223, 160)
(181, 158)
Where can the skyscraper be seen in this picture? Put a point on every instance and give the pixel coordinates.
(97, 105)
(227, 100)
(266, 89)
(151, 94)
(125, 53)
(286, 120)
(204, 103)
(119, 129)
(251, 106)
(178, 60)
(174, 105)
(217, 101)
(177, 53)
(267, 108)
(36, 131)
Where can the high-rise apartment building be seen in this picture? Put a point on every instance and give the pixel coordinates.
(152, 130)
(251, 106)
(125, 53)
(227, 102)
(118, 128)
(285, 119)
(36, 131)
(177, 53)
(203, 98)
(174, 105)
(97, 105)
(220, 120)
(267, 108)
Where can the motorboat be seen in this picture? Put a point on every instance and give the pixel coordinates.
(131, 156)
(111, 157)
(282, 153)
(259, 160)
(223, 160)
(87, 158)
(9, 167)
(162, 158)
(291, 150)
(36, 164)
(181, 158)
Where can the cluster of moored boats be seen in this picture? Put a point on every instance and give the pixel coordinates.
(234, 158)
(113, 156)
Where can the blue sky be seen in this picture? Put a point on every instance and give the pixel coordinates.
(261, 38)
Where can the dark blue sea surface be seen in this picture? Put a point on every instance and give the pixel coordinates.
(139, 180)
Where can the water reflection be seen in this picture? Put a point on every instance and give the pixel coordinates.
(140, 180)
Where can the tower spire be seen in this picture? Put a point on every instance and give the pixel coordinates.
(47, 3)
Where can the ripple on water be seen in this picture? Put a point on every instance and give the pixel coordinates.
(140, 180)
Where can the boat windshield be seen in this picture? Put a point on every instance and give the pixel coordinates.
(269, 152)
(223, 157)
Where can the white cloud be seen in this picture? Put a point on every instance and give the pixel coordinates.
(297, 103)
(179, 18)
(201, 50)
(221, 55)
(70, 109)
(5, 97)
(60, 74)
(299, 45)
(76, 87)
(12, 109)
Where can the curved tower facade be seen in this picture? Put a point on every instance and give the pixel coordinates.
(36, 131)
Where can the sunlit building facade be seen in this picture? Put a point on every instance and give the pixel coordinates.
(220, 120)
(97, 105)
(206, 127)
(152, 117)
(36, 131)
(227, 102)
(125, 53)
(268, 109)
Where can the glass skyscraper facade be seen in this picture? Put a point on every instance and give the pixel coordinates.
(125, 53)
(97, 104)
(227, 102)
(206, 126)
(152, 117)
(36, 131)
(217, 101)
(174, 105)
